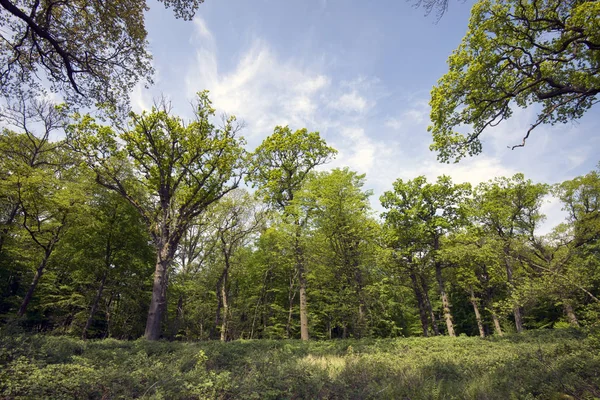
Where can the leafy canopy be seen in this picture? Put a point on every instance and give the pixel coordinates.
(90, 51)
(517, 52)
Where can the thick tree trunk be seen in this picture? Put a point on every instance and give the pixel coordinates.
(94, 307)
(570, 313)
(36, 278)
(477, 314)
(164, 258)
(420, 303)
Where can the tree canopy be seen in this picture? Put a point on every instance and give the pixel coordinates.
(517, 53)
(89, 51)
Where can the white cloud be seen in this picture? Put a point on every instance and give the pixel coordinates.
(349, 103)
(265, 90)
(262, 90)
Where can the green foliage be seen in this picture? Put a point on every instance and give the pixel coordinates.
(537, 365)
(283, 160)
(517, 53)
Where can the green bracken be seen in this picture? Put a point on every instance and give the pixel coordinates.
(543, 364)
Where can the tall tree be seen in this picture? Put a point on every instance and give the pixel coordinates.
(237, 217)
(342, 214)
(509, 210)
(280, 165)
(168, 170)
(422, 213)
(517, 53)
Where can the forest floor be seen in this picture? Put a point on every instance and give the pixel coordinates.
(544, 364)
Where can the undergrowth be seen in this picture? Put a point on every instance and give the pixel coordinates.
(545, 364)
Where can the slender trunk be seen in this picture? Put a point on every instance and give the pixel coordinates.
(157, 306)
(225, 306)
(36, 278)
(261, 299)
(361, 321)
(421, 304)
(445, 301)
(509, 276)
(429, 308)
(477, 314)
(215, 326)
(570, 313)
(302, 284)
(108, 315)
(497, 328)
(94, 307)
(360, 326)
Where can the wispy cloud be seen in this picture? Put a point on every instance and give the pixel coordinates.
(265, 89)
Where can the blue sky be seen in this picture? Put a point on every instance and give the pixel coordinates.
(360, 73)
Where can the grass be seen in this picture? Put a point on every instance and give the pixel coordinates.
(545, 364)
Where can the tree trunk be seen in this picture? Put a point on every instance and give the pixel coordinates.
(36, 278)
(477, 314)
(225, 306)
(164, 258)
(509, 277)
(421, 304)
(108, 316)
(94, 307)
(302, 284)
(570, 313)
(303, 305)
(497, 328)
(361, 324)
(518, 319)
(445, 301)
(434, 326)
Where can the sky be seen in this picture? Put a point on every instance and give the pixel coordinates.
(358, 72)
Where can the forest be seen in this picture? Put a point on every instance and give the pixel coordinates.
(271, 246)
(135, 243)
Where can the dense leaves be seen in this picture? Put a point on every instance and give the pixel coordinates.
(517, 53)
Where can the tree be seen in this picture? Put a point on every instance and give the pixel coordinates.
(237, 217)
(342, 216)
(39, 188)
(90, 51)
(477, 270)
(421, 213)
(517, 52)
(25, 151)
(280, 165)
(168, 170)
(509, 210)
